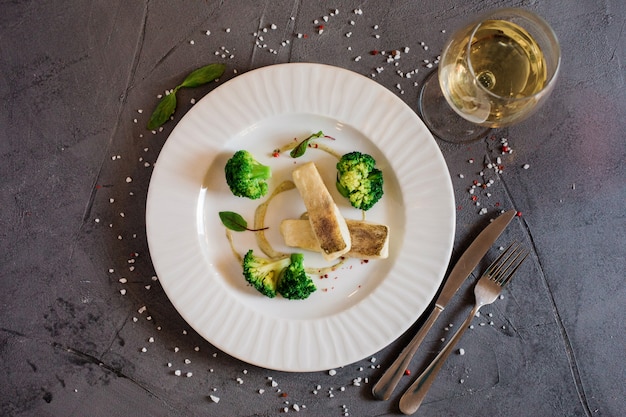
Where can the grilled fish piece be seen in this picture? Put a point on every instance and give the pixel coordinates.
(369, 240)
(327, 223)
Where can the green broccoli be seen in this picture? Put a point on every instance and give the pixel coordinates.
(263, 274)
(247, 177)
(294, 283)
(359, 180)
(285, 276)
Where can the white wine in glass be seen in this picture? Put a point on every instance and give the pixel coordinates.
(494, 72)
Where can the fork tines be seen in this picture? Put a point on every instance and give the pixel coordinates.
(505, 265)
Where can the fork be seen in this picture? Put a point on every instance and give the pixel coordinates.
(486, 291)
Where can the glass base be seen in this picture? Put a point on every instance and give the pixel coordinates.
(441, 120)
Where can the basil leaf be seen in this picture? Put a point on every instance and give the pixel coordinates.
(299, 150)
(163, 111)
(203, 75)
(233, 221)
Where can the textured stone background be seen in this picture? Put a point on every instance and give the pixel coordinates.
(74, 77)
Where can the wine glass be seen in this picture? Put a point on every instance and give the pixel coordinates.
(493, 72)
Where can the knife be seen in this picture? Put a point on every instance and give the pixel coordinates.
(462, 269)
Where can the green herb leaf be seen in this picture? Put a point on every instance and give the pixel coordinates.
(163, 111)
(204, 75)
(299, 150)
(167, 105)
(233, 221)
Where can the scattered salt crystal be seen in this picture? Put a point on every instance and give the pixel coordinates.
(526, 166)
(189, 374)
(177, 372)
(123, 292)
(214, 398)
(332, 372)
(461, 351)
(129, 179)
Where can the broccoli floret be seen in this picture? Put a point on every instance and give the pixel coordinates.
(285, 276)
(294, 283)
(263, 274)
(359, 180)
(247, 177)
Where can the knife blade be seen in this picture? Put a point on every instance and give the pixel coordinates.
(383, 389)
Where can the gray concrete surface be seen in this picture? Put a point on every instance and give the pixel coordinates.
(74, 76)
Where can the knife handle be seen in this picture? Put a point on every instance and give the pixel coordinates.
(414, 395)
(388, 382)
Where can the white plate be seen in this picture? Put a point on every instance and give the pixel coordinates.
(358, 309)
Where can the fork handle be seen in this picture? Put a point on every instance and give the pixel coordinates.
(413, 397)
(388, 382)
